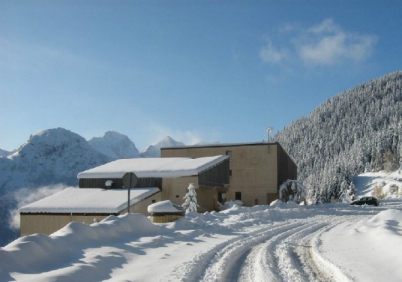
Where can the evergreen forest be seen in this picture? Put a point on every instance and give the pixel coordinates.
(356, 131)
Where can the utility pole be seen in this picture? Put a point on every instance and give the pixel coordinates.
(268, 131)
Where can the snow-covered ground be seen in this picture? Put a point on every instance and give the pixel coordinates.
(281, 242)
(388, 185)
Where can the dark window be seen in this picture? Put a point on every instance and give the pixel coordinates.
(230, 172)
(177, 196)
(222, 197)
(153, 201)
(238, 196)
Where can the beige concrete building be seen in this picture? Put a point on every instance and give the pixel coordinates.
(101, 191)
(82, 205)
(249, 172)
(256, 169)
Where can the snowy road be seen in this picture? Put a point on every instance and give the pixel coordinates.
(280, 252)
(283, 251)
(284, 242)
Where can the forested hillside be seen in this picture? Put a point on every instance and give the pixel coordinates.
(358, 130)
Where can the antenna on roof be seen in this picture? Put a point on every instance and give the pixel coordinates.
(268, 131)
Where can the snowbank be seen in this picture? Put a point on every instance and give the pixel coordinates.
(367, 250)
(40, 253)
(270, 243)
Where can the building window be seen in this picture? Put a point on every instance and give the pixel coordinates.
(238, 196)
(230, 172)
(229, 153)
(222, 197)
(153, 201)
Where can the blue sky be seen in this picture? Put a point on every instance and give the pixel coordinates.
(195, 70)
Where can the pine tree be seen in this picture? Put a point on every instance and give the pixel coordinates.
(190, 199)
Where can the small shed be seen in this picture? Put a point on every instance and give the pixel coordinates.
(82, 205)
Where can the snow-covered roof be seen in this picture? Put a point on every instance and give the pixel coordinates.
(214, 145)
(164, 207)
(88, 200)
(153, 167)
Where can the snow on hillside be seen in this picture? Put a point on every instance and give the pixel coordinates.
(358, 129)
(281, 242)
(153, 151)
(114, 145)
(383, 185)
(4, 153)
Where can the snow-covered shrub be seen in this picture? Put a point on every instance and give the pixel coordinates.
(379, 193)
(347, 192)
(394, 189)
(292, 191)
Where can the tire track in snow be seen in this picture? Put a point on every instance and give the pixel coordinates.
(325, 267)
(289, 263)
(218, 262)
(272, 260)
(282, 252)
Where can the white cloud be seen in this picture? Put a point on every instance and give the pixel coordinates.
(323, 44)
(269, 54)
(327, 44)
(327, 25)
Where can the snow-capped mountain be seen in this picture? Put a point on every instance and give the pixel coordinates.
(48, 157)
(4, 153)
(55, 156)
(115, 146)
(154, 150)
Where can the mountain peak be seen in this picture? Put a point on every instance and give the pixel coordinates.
(114, 135)
(168, 142)
(114, 145)
(154, 150)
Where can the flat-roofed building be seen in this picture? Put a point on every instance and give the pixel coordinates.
(256, 169)
(101, 191)
(81, 205)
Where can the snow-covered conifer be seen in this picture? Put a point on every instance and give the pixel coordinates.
(190, 199)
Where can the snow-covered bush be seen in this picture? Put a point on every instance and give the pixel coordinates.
(347, 192)
(379, 193)
(292, 191)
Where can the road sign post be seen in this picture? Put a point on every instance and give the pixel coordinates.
(130, 181)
